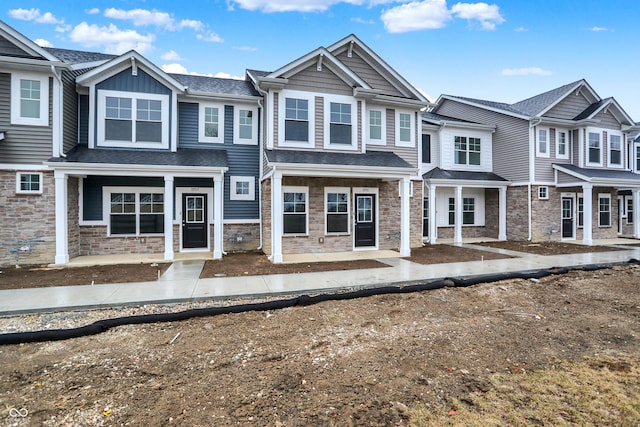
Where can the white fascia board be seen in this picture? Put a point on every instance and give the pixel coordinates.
(320, 170)
(551, 121)
(484, 107)
(84, 65)
(222, 97)
(567, 93)
(466, 183)
(614, 182)
(11, 63)
(400, 102)
(23, 167)
(135, 170)
(25, 43)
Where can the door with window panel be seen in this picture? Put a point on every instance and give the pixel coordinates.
(365, 224)
(194, 221)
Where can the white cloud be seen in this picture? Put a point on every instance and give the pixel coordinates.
(110, 38)
(599, 29)
(144, 17)
(171, 55)
(227, 76)
(93, 11)
(521, 30)
(211, 37)
(527, 71)
(270, 6)
(487, 14)
(359, 20)
(417, 15)
(43, 43)
(63, 28)
(246, 48)
(174, 68)
(34, 14)
(191, 23)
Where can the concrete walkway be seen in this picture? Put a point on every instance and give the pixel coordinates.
(181, 281)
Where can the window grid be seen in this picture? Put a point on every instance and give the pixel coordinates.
(295, 212)
(452, 211)
(245, 124)
(467, 150)
(468, 210)
(30, 98)
(562, 144)
(337, 212)
(405, 127)
(148, 110)
(594, 147)
(242, 188)
(543, 142)
(118, 108)
(30, 182)
(604, 211)
(211, 122)
(296, 126)
(135, 214)
(630, 211)
(615, 150)
(580, 212)
(340, 123)
(375, 124)
(543, 193)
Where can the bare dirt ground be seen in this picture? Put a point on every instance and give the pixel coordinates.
(377, 361)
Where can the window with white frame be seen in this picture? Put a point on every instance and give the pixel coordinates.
(246, 125)
(580, 211)
(29, 183)
(294, 218)
(638, 158)
(468, 210)
(543, 193)
(604, 210)
(377, 126)
(296, 124)
(340, 123)
(452, 211)
(127, 118)
(595, 149)
(29, 99)
(562, 147)
(615, 150)
(425, 217)
(211, 123)
(242, 188)
(405, 129)
(543, 143)
(337, 210)
(426, 148)
(134, 212)
(630, 210)
(466, 150)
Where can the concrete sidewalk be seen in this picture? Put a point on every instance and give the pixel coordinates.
(181, 281)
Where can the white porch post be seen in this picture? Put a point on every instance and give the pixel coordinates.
(433, 218)
(457, 234)
(62, 223)
(405, 221)
(218, 206)
(168, 218)
(502, 224)
(276, 218)
(636, 213)
(587, 197)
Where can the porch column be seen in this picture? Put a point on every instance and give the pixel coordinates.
(587, 223)
(405, 222)
(276, 218)
(62, 218)
(218, 207)
(636, 213)
(502, 208)
(457, 234)
(168, 218)
(433, 218)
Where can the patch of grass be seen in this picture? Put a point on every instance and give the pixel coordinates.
(599, 391)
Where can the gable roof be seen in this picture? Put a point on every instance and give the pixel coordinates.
(24, 43)
(539, 104)
(214, 85)
(74, 57)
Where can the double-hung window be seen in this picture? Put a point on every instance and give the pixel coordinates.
(604, 210)
(246, 126)
(595, 148)
(615, 150)
(452, 211)
(377, 127)
(405, 133)
(543, 143)
(637, 158)
(296, 121)
(467, 151)
(211, 123)
(294, 219)
(630, 210)
(29, 183)
(337, 210)
(132, 213)
(29, 99)
(580, 211)
(340, 124)
(426, 148)
(127, 119)
(468, 210)
(561, 144)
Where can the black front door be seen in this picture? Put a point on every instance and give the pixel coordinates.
(365, 233)
(194, 221)
(567, 217)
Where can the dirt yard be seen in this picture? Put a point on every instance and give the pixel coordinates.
(429, 358)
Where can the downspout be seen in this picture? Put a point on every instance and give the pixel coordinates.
(264, 121)
(532, 159)
(60, 106)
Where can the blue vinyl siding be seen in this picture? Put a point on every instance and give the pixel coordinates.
(92, 191)
(83, 118)
(188, 125)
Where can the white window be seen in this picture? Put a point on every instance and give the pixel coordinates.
(562, 147)
(377, 127)
(543, 193)
(30, 99)
(340, 130)
(466, 150)
(595, 149)
(580, 210)
(246, 126)
(126, 119)
(615, 150)
(134, 211)
(630, 210)
(29, 183)
(543, 143)
(468, 210)
(295, 218)
(295, 119)
(638, 158)
(211, 123)
(242, 188)
(336, 210)
(604, 210)
(451, 210)
(405, 129)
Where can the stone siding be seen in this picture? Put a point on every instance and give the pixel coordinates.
(241, 237)
(94, 241)
(266, 216)
(517, 213)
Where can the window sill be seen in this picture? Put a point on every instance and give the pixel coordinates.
(28, 193)
(337, 234)
(295, 235)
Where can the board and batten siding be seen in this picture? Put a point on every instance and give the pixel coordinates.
(23, 144)
(570, 107)
(242, 160)
(377, 79)
(325, 81)
(510, 140)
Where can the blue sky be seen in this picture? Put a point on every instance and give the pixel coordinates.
(503, 50)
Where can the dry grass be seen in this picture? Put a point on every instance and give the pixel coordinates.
(599, 391)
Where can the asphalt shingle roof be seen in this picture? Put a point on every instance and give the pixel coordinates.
(182, 157)
(601, 173)
(370, 158)
(590, 109)
(77, 56)
(216, 85)
(437, 173)
(534, 105)
(435, 117)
